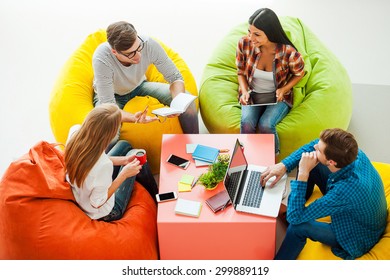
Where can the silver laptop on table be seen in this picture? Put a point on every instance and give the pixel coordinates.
(242, 182)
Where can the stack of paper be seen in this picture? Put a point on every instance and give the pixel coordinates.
(205, 153)
(188, 207)
(185, 183)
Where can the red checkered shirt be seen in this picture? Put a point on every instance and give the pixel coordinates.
(288, 61)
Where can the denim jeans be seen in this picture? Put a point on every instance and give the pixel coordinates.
(188, 120)
(318, 176)
(144, 177)
(263, 119)
(297, 235)
(124, 191)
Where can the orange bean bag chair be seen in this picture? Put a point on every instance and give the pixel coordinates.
(40, 219)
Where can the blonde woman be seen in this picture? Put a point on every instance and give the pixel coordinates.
(102, 182)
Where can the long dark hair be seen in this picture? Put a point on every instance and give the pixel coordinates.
(267, 21)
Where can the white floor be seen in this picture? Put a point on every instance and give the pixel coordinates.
(37, 37)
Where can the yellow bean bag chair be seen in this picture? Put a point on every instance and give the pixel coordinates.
(72, 95)
(381, 251)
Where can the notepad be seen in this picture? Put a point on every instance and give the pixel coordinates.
(185, 183)
(218, 201)
(187, 179)
(178, 105)
(190, 148)
(205, 153)
(183, 187)
(200, 163)
(188, 207)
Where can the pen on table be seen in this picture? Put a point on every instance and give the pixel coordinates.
(194, 183)
(224, 150)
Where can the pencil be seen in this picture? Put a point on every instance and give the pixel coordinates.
(143, 112)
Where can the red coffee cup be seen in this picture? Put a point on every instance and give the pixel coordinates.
(140, 154)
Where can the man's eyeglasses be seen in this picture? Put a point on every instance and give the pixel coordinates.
(133, 53)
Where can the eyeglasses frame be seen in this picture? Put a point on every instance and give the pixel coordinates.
(133, 53)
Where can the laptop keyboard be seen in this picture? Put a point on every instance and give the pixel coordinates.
(254, 192)
(233, 182)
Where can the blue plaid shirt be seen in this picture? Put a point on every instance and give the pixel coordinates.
(354, 199)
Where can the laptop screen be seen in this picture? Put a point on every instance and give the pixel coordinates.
(235, 170)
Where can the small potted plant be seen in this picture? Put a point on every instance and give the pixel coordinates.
(216, 172)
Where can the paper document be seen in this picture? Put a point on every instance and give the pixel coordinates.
(178, 105)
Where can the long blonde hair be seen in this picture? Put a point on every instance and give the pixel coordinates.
(90, 141)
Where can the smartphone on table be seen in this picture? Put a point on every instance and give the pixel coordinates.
(178, 161)
(162, 197)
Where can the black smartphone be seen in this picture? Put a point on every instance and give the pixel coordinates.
(178, 161)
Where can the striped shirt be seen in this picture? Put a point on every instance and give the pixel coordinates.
(287, 62)
(354, 199)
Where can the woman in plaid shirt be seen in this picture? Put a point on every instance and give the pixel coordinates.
(269, 64)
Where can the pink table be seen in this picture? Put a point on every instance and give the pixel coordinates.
(223, 235)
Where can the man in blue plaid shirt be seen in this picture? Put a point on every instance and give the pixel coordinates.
(353, 196)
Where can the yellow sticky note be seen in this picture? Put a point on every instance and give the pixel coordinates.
(183, 187)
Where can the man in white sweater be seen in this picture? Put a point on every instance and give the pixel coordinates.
(119, 73)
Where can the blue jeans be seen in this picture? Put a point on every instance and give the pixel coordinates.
(263, 119)
(124, 191)
(188, 120)
(297, 235)
(318, 176)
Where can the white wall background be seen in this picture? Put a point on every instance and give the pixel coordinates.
(37, 37)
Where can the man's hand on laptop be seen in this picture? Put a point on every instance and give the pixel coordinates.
(276, 170)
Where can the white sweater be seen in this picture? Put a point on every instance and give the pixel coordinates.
(110, 76)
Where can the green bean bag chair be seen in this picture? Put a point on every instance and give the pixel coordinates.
(322, 99)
